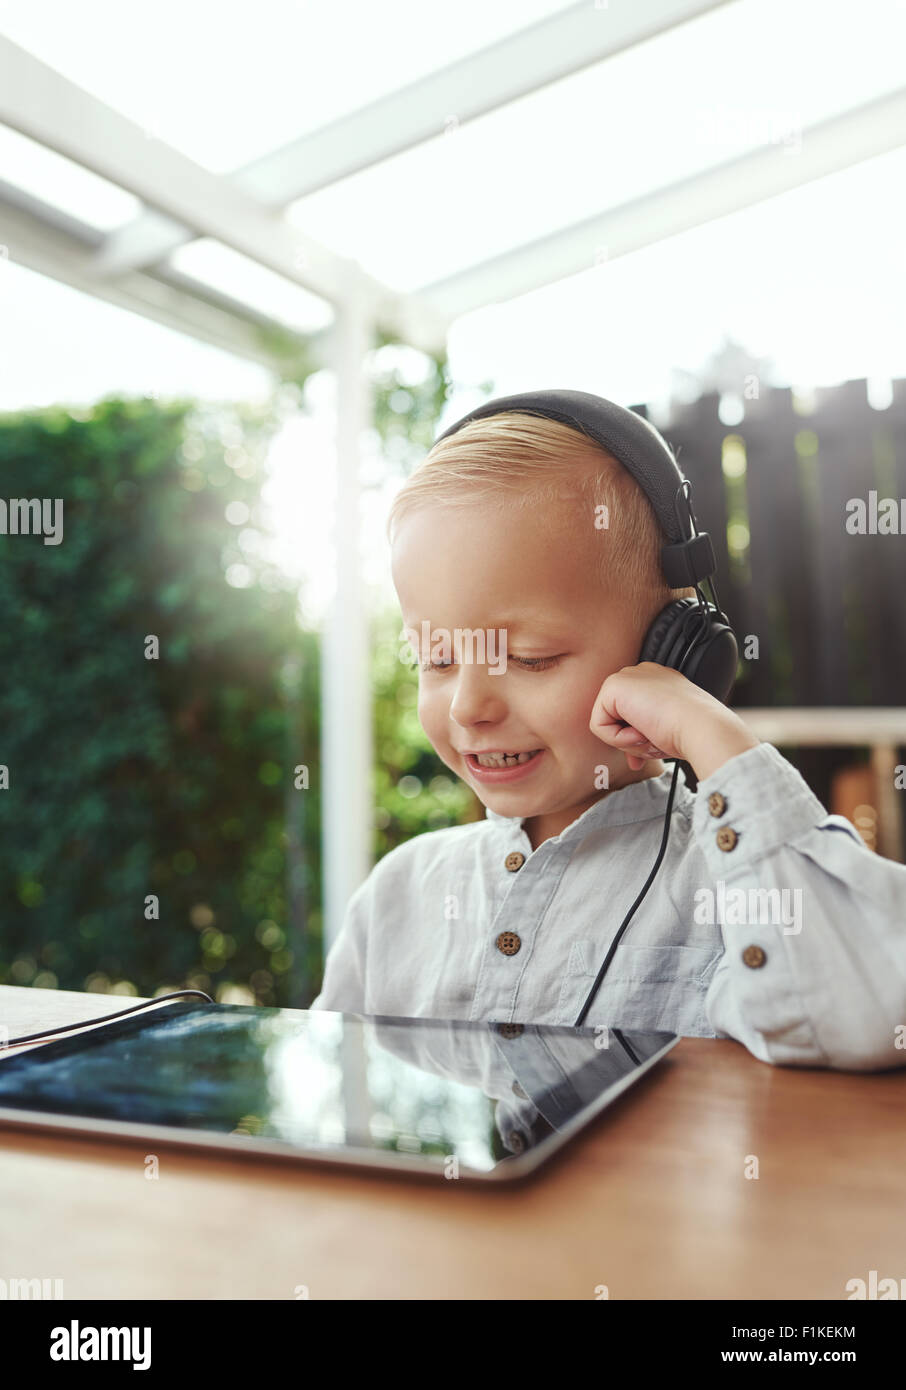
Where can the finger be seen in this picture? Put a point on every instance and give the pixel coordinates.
(610, 733)
(643, 755)
(630, 735)
(642, 746)
(602, 720)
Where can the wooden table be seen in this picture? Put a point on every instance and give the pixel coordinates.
(652, 1201)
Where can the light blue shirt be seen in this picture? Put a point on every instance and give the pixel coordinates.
(469, 922)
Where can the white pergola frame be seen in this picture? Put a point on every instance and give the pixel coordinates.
(244, 211)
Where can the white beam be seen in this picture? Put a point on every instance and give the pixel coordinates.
(36, 242)
(491, 77)
(45, 106)
(347, 812)
(875, 128)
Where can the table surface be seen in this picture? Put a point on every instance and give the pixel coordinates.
(652, 1201)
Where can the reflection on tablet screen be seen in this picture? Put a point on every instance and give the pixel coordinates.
(454, 1097)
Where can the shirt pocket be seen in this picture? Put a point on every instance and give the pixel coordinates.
(661, 988)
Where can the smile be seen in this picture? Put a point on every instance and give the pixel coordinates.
(502, 767)
(503, 759)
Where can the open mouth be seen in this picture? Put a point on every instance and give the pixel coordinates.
(503, 759)
(503, 767)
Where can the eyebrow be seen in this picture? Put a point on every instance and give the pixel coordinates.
(519, 622)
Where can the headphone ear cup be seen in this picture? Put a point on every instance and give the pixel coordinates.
(714, 656)
(661, 638)
(714, 661)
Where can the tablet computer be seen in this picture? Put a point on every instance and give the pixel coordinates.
(484, 1102)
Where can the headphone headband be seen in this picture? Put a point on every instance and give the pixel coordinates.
(689, 556)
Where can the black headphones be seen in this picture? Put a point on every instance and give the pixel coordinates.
(690, 635)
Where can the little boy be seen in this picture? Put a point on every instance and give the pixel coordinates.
(509, 918)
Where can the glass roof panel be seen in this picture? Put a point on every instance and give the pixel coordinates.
(599, 139)
(226, 83)
(240, 278)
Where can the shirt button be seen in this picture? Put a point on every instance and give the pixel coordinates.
(514, 861)
(508, 943)
(726, 838)
(515, 1141)
(716, 804)
(510, 1030)
(754, 956)
(518, 1091)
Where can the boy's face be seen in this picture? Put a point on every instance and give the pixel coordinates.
(533, 573)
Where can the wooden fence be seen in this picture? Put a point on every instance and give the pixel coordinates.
(828, 608)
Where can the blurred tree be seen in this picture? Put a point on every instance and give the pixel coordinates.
(144, 723)
(158, 695)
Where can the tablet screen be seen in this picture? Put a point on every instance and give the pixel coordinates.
(485, 1100)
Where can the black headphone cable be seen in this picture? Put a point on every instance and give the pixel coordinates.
(105, 1018)
(626, 920)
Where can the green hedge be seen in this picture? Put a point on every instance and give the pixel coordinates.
(131, 777)
(172, 778)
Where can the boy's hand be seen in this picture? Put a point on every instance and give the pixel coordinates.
(651, 711)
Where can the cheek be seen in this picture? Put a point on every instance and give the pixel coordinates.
(568, 702)
(569, 716)
(432, 713)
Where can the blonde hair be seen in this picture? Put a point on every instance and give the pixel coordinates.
(520, 460)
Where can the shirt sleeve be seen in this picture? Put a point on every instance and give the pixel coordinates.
(815, 974)
(343, 986)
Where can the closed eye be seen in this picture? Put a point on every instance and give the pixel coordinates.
(536, 663)
(530, 663)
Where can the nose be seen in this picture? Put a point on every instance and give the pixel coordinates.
(478, 697)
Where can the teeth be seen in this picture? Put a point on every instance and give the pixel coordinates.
(504, 759)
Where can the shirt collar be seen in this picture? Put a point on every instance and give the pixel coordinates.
(639, 801)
